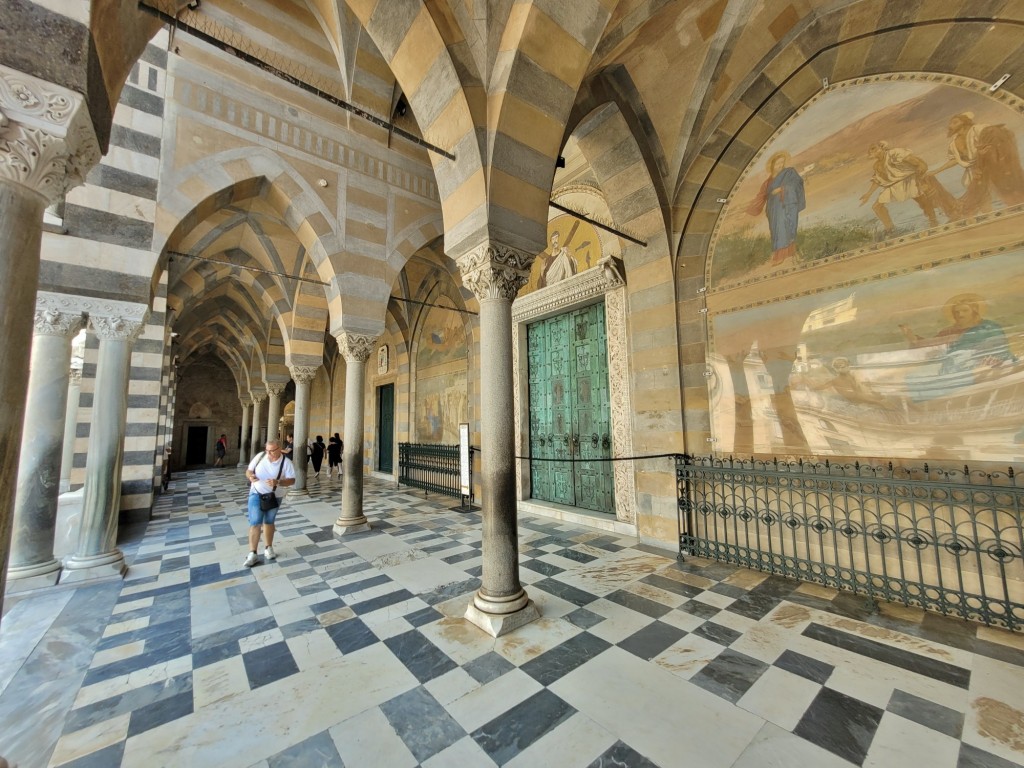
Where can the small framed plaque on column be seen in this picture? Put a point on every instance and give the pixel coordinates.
(382, 360)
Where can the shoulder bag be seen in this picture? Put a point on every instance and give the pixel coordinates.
(268, 501)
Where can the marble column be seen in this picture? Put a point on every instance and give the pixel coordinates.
(97, 555)
(274, 392)
(243, 447)
(31, 562)
(495, 274)
(67, 459)
(47, 144)
(303, 377)
(356, 349)
(256, 443)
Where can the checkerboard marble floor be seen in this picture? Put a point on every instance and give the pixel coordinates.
(353, 653)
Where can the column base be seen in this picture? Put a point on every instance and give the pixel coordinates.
(28, 578)
(100, 567)
(343, 526)
(499, 616)
(499, 624)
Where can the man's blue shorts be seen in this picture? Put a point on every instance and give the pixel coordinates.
(256, 515)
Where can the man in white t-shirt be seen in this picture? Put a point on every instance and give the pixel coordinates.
(267, 474)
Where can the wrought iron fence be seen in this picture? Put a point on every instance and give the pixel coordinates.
(433, 467)
(946, 541)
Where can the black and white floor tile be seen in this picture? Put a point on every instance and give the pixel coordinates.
(353, 653)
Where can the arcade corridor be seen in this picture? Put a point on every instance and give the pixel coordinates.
(355, 654)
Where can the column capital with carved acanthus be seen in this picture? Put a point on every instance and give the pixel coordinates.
(356, 347)
(494, 271)
(245, 401)
(115, 327)
(303, 374)
(258, 396)
(75, 374)
(275, 388)
(47, 142)
(52, 322)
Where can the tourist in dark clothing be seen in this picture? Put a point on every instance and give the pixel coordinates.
(334, 448)
(319, 449)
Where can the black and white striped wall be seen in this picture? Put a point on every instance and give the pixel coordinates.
(101, 252)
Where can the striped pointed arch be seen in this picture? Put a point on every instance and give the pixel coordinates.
(211, 342)
(193, 193)
(277, 356)
(543, 55)
(408, 38)
(309, 320)
(405, 243)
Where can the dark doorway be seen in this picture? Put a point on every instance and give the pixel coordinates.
(385, 427)
(195, 445)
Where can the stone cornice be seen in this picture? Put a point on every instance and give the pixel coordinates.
(356, 347)
(47, 142)
(561, 296)
(493, 271)
(275, 389)
(51, 322)
(115, 328)
(65, 302)
(303, 374)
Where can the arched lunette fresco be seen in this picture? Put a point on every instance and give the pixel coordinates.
(864, 279)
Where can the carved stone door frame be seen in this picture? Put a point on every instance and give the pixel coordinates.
(605, 282)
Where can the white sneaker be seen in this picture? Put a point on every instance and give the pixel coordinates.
(269, 554)
(251, 560)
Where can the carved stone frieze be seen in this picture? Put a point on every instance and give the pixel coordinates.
(494, 271)
(68, 303)
(50, 322)
(356, 347)
(605, 277)
(47, 142)
(274, 388)
(115, 328)
(304, 374)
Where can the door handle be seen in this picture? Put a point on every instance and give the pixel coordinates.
(575, 443)
(606, 442)
(594, 439)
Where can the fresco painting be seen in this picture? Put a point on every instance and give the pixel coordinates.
(867, 163)
(441, 384)
(864, 280)
(573, 246)
(910, 367)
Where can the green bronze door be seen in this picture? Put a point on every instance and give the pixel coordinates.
(569, 415)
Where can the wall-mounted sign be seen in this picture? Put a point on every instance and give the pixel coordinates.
(382, 360)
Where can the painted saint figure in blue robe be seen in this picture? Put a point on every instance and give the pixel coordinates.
(781, 198)
(976, 350)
